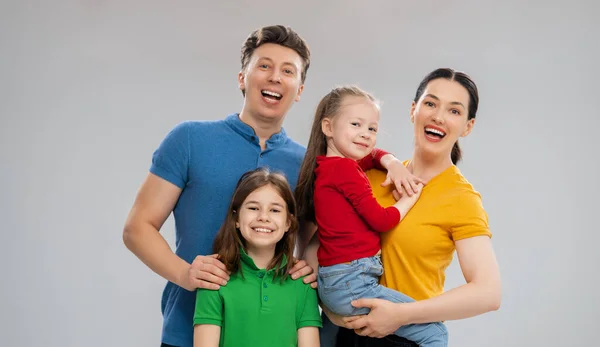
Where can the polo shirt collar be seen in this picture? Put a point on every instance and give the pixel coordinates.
(249, 134)
(248, 263)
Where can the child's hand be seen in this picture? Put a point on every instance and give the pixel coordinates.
(406, 202)
(207, 272)
(404, 181)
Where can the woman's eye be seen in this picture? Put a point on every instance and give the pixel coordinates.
(429, 103)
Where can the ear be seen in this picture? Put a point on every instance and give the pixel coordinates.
(469, 127)
(288, 224)
(241, 80)
(300, 89)
(413, 106)
(327, 127)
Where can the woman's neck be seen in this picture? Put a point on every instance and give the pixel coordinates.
(427, 167)
(261, 257)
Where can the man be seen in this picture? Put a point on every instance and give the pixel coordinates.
(196, 167)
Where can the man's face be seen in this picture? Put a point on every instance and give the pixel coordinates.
(271, 81)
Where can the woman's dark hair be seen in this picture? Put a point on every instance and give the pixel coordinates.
(229, 241)
(464, 80)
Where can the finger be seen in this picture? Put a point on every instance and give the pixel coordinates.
(208, 277)
(357, 324)
(215, 266)
(307, 270)
(363, 303)
(310, 278)
(405, 184)
(352, 318)
(205, 285)
(396, 195)
(314, 285)
(215, 262)
(413, 185)
(298, 264)
(387, 182)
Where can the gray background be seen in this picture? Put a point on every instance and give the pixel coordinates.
(88, 89)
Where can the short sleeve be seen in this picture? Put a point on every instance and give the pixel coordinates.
(309, 312)
(209, 307)
(470, 218)
(170, 160)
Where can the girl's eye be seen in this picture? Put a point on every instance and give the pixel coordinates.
(264, 66)
(355, 124)
(455, 111)
(275, 210)
(253, 208)
(373, 129)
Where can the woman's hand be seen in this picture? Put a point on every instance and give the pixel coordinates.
(384, 319)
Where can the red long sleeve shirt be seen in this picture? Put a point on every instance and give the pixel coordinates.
(348, 216)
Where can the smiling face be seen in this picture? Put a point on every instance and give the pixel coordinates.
(271, 82)
(440, 117)
(352, 132)
(263, 219)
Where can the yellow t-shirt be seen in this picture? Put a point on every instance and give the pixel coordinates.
(417, 251)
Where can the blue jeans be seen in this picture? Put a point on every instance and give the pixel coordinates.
(342, 283)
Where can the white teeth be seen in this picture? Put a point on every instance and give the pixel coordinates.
(435, 131)
(263, 230)
(268, 92)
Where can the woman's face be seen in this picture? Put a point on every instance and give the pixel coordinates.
(440, 117)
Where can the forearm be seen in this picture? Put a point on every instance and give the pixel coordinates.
(207, 335)
(466, 301)
(146, 242)
(307, 231)
(308, 337)
(386, 160)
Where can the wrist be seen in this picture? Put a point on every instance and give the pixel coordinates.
(407, 313)
(388, 160)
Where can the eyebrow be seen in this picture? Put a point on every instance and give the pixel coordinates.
(451, 103)
(256, 202)
(271, 60)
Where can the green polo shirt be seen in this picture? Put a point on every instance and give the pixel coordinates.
(258, 310)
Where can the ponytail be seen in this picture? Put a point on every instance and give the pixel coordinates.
(456, 154)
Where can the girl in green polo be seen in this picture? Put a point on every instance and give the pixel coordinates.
(260, 305)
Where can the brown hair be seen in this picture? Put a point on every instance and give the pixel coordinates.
(464, 80)
(229, 241)
(317, 145)
(280, 35)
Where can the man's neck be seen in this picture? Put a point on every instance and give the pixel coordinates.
(264, 129)
(427, 167)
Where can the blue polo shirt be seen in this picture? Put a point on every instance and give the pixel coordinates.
(206, 159)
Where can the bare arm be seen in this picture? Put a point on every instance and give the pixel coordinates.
(481, 293)
(153, 205)
(307, 337)
(207, 335)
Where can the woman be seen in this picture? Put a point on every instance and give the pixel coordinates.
(448, 216)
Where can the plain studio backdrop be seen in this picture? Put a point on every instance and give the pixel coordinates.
(88, 89)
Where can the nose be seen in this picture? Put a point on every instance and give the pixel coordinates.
(438, 117)
(263, 216)
(275, 76)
